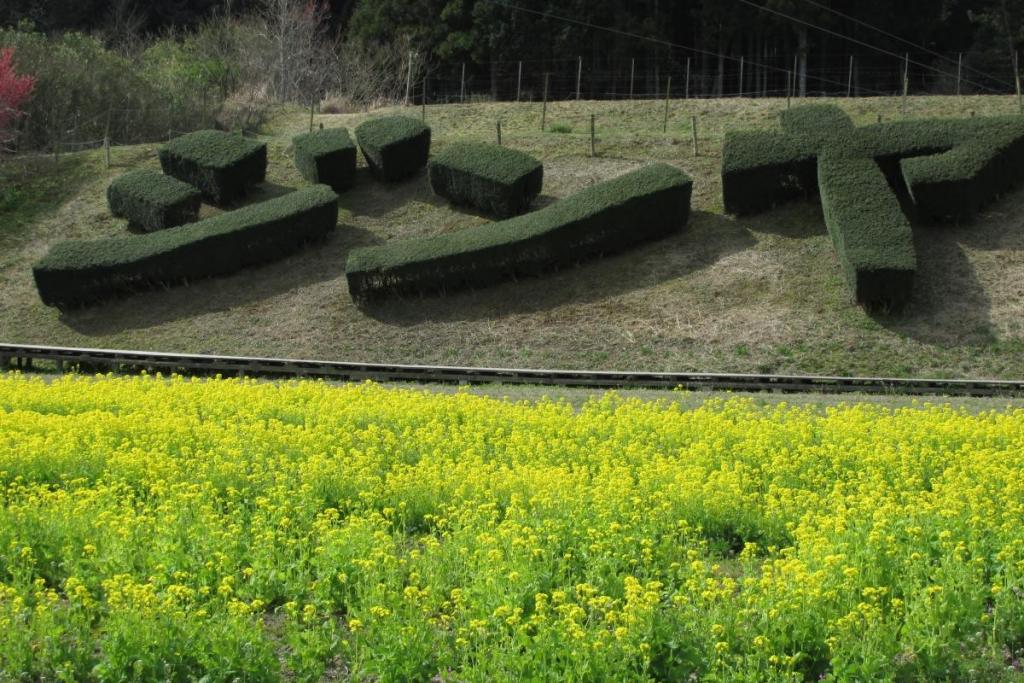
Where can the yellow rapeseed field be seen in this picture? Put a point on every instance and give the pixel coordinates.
(173, 529)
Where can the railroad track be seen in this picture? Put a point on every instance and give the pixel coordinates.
(63, 359)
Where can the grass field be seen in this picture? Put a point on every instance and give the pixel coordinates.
(155, 529)
(759, 294)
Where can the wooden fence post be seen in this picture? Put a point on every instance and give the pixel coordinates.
(592, 151)
(796, 67)
(668, 90)
(959, 69)
(693, 127)
(632, 71)
(462, 85)
(498, 126)
(408, 79)
(687, 93)
(1016, 78)
(106, 140)
(579, 77)
(739, 89)
(906, 80)
(519, 81)
(544, 109)
(849, 79)
(423, 105)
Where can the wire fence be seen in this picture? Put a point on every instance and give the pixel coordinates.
(773, 76)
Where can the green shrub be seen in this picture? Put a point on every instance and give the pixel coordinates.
(496, 180)
(562, 128)
(395, 147)
(956, 184)
(872, 236)
(78, 272)
(224, 166)
(151, 200)
(326, 156)
(950, 166)
(636, 207)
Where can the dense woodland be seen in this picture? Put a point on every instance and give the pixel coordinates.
(142, 70)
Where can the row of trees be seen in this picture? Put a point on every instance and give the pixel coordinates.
(138, 69)
(821, 35)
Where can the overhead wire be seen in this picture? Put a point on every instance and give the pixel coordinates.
(858, 42)
(905, 41)
(665, 43)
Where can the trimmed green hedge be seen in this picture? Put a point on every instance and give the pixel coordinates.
(151, 200)
(636, 207)
(956, 184)
(395, 147)
(498, 181)
(872, 236)
(951, 167)
(326, 156)
(79, 272)
(222, 165)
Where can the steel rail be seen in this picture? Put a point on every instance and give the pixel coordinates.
(119, 361)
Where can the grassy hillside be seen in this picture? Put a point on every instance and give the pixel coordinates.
(758, 294)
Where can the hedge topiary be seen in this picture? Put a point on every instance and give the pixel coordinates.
(151, 200)
(496, 180)
(872, 236)
(950, 167)
(636, 207)
(326, 156)
(80, 272)
(395, 147)
(222, 165)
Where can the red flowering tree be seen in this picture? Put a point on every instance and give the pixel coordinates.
(14, 90)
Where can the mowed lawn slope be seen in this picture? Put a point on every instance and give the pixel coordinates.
(760, 294)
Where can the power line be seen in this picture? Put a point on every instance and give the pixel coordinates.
(859, 42)
(665, 43)
(903, 40)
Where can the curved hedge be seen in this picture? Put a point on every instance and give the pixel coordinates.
(496, 180)
(636, 207)
(151, 200)
(326, 156)
(223, 166)
(80, 272)
(395, 147)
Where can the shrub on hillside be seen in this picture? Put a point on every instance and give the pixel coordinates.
(326, 156)
(496, 180)
(222, 165)
(950, 168)
(152, 201)
(15, 89)
(871, 234)
(395, 147)
(636, 207)
(77, 273)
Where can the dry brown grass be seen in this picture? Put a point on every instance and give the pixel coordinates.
(758, 294)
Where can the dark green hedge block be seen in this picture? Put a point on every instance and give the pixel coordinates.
(761, 170)
(326, 156)
(636, 207)
(152, 201)
(395, 147)
(496, 180)
(79, 272)
(872, 236)
(819, 123)
(956, 184)
(224, 166)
